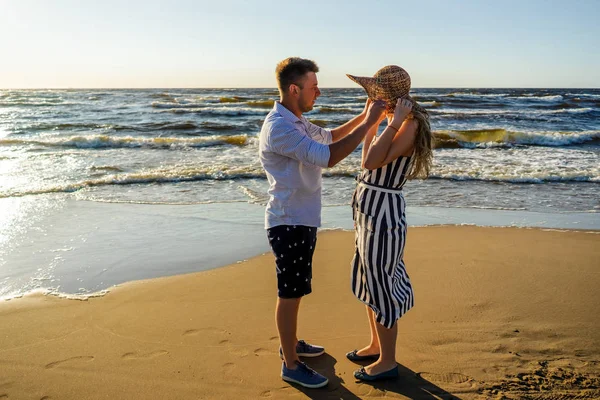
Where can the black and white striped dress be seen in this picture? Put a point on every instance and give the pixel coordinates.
(379, 277)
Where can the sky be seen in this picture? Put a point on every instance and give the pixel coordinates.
(236, 43)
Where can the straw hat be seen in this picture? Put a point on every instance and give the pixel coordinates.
(389, 84)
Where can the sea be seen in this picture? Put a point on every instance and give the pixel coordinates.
(103, 186)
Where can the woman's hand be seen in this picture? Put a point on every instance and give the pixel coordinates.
(403, 108)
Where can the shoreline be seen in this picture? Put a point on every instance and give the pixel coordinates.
(77, 248)
(84, 297)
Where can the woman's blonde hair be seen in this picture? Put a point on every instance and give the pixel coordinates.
(422, 158)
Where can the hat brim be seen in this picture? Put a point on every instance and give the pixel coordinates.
(368, 83)
(376, 92)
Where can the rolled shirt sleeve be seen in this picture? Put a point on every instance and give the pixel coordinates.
(322, 135)
(295, 144)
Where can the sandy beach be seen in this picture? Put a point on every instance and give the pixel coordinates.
(500, 313)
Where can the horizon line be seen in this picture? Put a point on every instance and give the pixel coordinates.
(275, 88)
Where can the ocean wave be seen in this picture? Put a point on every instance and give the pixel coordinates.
(218, 126)
(535, 97)
(142, 127)
(521, 112)
(177, 174)
(234, 99)
(503, 138)
(33, 104)
(174, 104)
(560, 106)
(430, 104)
(104, 142)
(163, 96)
(585, 95)
(550, 178)
(45, 126)
(474, 95)
(105, 168)
(217, 111)
(254, 196)
(556, 97)
(587, 99)
(172, 175)
(336, 110)
(158, 126)
(261, 103)
(320, 122)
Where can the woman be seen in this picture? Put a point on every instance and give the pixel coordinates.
(379, 278)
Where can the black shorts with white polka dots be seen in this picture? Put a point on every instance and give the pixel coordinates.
(293, 247)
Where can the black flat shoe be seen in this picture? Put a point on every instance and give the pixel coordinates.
(352, 356)
(362, 375)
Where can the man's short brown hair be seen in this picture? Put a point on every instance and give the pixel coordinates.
(290, 70)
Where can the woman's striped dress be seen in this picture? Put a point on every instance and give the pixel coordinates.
(379, 277)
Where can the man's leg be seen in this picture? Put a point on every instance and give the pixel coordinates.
(286, 315)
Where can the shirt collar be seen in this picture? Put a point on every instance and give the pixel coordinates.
(287, 114)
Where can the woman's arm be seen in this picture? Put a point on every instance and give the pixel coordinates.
(370, 136)
(396, 140)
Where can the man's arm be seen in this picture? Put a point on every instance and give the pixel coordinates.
(343, 147)
(343, 130)
(288, 141)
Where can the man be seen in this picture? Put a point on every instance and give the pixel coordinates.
(292, 151)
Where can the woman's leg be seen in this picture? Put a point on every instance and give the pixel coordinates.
(373, 347)
(387, 356)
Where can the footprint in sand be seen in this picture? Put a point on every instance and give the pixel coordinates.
(210, 329)
(582, 353)
(69, 361)
(451, 377)
(500, 349)
(238, 351)
(3, 396)
(567, 363)
(283, 391)
(228, 367)
(369, 391)
(139, 356)
(263, 352)
(217, 334)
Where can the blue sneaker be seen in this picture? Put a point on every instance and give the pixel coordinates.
(303, 375)
(304, 349)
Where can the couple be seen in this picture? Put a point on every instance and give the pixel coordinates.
(292, 151)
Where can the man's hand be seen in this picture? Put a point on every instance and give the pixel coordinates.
(340, 149)
(366, 109)
(376, 112)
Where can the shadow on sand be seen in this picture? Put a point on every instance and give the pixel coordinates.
(409, 384)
